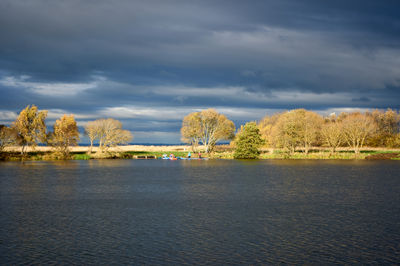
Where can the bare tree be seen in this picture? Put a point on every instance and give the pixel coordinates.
(8, 137)
(357, 128)
(332, 135)
(91, 130)
(108, 132)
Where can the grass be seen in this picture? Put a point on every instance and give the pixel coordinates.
(17, 156)
(81, 156)
(221, 153)
(378, 152)
(277, 154)
(159, 154)
(126, 155)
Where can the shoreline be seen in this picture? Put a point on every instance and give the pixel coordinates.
(45, 153)
(122, 148)
(151, 148)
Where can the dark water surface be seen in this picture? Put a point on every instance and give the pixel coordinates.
(200, 212)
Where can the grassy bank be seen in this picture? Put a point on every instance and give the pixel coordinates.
(320, 155)
(49, 156)
(222, 152)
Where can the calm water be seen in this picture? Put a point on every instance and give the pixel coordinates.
(202, 212)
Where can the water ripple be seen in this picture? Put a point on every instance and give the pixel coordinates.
(210, 212)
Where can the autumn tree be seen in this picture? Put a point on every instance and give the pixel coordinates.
(388, 128)
(209, 127)
(8, 137)
(91, 130)
(248, 141)
(297, 128)
(396, 142)
(356, 128)
(267, 127)
(312, 123)
(288, 132)
(30, 127)
(332, 135)
(191, 130)
(65, 134)
(108, 132)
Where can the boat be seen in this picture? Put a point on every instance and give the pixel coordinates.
(181, 158)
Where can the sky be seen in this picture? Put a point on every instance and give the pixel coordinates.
(150, 63)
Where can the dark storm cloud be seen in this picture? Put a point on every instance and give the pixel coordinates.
(361, 99)
(90, 57)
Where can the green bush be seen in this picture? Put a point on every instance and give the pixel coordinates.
(248, 141)
(81, 156)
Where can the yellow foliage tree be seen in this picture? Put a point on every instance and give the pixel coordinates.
(30, 127)
(65, 134)
(312, 123)
(357, 128)
(297, 128)
(191, 130)
(8, 137)
(388, 127)
(287, 132)
(108, 132)
(268, 129)
(332, 135)
(91, 130)
(208, 127)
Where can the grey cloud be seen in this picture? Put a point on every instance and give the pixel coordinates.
(361, 99)
(282, 54)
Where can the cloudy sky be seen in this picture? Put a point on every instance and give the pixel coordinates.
(150, 63)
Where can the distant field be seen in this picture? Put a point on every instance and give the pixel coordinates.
(218, 148)
(126, 148)
(220, 152)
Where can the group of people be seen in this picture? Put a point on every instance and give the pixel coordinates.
(172, 156)
(190, 155)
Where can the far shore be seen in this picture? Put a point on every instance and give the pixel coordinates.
(220, 152)
(156, 148)
(123, 148)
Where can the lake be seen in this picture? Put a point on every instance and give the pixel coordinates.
(200, 212)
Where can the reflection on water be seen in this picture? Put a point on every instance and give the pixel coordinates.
(108, 163)
(186, 212)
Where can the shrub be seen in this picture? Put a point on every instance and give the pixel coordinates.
(248, 141)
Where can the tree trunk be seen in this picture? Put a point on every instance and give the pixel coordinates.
(306, 149)
(23, 149)
(356, 151)
(91, 147)
(194, 146)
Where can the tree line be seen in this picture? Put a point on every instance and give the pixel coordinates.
(303, 129)
(293, 130)
(29, 129)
